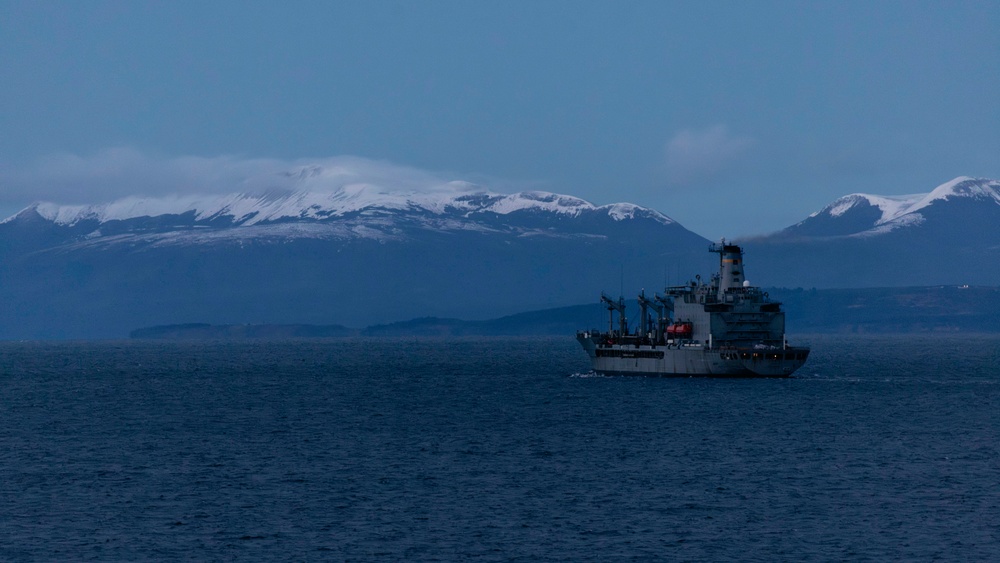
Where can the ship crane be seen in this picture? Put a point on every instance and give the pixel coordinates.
(613, 306)
(655, 304)
(666, 313)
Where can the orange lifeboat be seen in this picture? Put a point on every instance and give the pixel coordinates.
(680, 330)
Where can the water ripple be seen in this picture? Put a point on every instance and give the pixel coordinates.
(486, 449)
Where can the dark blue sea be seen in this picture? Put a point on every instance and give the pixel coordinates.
(880, 448)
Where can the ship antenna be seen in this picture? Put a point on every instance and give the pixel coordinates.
(621, 281)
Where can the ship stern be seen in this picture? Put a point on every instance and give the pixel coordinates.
(774, 362)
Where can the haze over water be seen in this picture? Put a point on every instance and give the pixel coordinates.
(494, 449)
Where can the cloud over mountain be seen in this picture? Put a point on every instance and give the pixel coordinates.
(694, 156)
(112, 174)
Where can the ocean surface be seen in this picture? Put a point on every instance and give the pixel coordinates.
(494, 450)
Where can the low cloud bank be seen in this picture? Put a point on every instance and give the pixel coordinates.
(698, 156)
(116, 173)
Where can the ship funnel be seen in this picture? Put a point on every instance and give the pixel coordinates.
(730, 266)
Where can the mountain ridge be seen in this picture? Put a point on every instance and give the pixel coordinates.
(363, 256)
(863, 214)
(370, 257)
(244, 209)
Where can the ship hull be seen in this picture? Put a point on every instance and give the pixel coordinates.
(690, 360)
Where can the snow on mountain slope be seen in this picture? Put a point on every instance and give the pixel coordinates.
(540, 201)
(963, 186)
(867, 214)
(247, 210)
(890, 206)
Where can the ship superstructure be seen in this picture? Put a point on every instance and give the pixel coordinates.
(722, 328)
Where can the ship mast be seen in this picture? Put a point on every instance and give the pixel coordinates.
(612, 307)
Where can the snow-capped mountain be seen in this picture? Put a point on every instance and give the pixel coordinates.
(861, 215)
(354, 256)
(246, 209)
(351, 212)
(949, 235)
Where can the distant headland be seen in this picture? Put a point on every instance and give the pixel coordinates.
(948, 309)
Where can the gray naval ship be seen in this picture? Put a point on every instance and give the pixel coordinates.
(726, 328)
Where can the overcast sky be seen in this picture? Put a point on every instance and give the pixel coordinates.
(734, 118)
